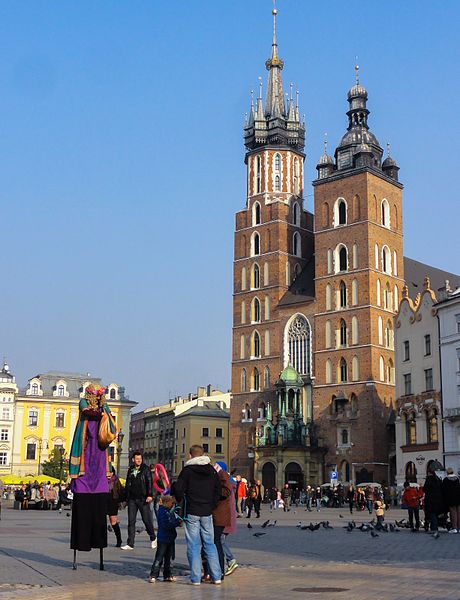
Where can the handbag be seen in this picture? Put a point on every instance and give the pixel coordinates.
(105, 436)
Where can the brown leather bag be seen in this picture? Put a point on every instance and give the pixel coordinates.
(105, 437)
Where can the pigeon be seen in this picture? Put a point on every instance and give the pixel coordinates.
(349, 529)
(436, 535)
(373, 534)
(304, 527)
(272, 524)
(341, 516)
(265, 523)
(393, 528)
(299, 524)
(400, 523)
(249, 526)
(67, 514)
(259, 533)
(351, 524)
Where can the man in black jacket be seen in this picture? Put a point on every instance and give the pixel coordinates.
(139, 495)
(198, 485)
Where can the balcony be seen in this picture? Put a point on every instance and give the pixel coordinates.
(452, 414)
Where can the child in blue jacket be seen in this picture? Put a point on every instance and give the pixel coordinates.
(166, 535)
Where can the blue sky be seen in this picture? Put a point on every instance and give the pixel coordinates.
(121, 165)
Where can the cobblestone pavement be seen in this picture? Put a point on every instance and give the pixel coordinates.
(325, 564)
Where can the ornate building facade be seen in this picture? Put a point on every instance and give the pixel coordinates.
(314, 298)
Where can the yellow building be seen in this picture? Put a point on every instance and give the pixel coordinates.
(8, 391)
(46, 413)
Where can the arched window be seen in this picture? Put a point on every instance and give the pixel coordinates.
(242, 346)
(329, 261)
(243, 380)
(267, 343)
(266, 378)
(354, 330)
(385, 213)
(256, 214)
(355, 256)
(297, 270)
(390, 372)
(296, 244)
(382, 369)
(262, 412)
(411, 430)
(328, 297)
(243, 312)
(267, 308)
(328, 334)
(113, 393)
(256, 345)
(343, 333)
(296, 214)
(256, 310)
(379, 293)
(326, 215)
(277, 163)
(411, 472)
(354, 292)
(342, 295)
(296, 178)
(396, 298)
(243, 278)
(328, 371)
(377, 256)
(343, 371)
(61, 390)
(255, 276)
(387, 300)
(35, 389)
(432, 427)
(256, 380)
(344, 437)
(356, 208)
(340, 212)
(246, 413)
(277, 183)
(243, 246)
(386, 260)
(255, 244)
(298, 344)
(395, 264)
(380, 330)
(389, 337)
(258, 175)
(266, 274)
(343, 259)
(354, 403)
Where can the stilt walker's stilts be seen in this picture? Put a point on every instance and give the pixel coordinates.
(101, 559)
(74, 566)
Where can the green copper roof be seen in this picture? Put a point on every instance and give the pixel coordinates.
(290, 375)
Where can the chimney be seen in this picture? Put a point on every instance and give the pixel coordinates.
(209, 390)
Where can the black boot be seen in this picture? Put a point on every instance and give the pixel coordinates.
(117, 532)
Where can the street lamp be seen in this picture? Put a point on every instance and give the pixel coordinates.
(120, 437)
(42, 445)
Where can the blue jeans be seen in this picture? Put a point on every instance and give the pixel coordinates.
(225, 547)
(370, 506)
(200, 531)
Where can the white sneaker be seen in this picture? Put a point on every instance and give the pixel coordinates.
(154, 544)
(127, 547)
(453, 530)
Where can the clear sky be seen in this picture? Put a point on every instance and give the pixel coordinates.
(121, 164)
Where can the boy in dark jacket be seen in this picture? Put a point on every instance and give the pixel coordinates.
(166, 535)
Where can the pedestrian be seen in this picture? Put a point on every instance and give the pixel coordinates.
(369, 493)
(139, 495)
(231, 563)
(411, 500)
(451, 495)
(240, 495)
(287, 495)
(198, 485)
(308, 498)
(221, 518)
(166, 536)
(434, 503)
(351, 497)
(318, 495)
(273, 498)
(379, 506)
(116, 496)
(255, 494)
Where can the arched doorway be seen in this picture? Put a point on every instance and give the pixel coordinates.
(269, 476)
(345, 472)
(364, 476)
(411, 472)
(293, 475)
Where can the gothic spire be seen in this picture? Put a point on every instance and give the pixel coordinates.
(274, 105)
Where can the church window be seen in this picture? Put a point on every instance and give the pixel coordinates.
(243, 278)
(382, 369)
(243, 312)
(341, 258)
(343, 371)
(277, 164)
(299, 344)
(386, 260)
(255, 244)
(262, 412)
(266, 274)
(296, 178)
(267, 343)
(354, 292)
(355, 256)
(354, 403)
(256, 277)
(296, 244)
(342, 213)
(297, 270)
(355, 369)
(256, 345)
(328, 371)
(342, 295)
(266, 378)
(246, 413)
(377, 256)
(329, 261)
(396, 297)
(256, 310)
(356, 208)
(328, 334)
(344, 437)
(380, 330)
(267, 308)
(328, 297)
(387, 299)
(258, 175)
(389, 337)
(296, 214)
(256, 214)
(243, 380)
(242, 346)
(395, 263)
(385, 213)
(379, 293)
(343, 332)
(256, 380)
(390, 372)
(354, 330)
(326, 215)
(277, 183)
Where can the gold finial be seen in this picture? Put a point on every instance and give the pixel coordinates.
(260, 87)
(325, 144)
(405, 292)
(274, 13)
(252, 98)
(357, 71)
(426, 283)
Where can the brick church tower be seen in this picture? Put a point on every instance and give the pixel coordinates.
(358, 282)
(273, 238)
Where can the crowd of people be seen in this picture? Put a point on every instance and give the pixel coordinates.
(39, 496)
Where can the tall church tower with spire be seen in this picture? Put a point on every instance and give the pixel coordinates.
(358, 282)
(273, 245)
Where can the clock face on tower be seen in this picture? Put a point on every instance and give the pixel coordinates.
(344, 159)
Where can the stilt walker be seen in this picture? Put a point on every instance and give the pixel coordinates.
(90, 466)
